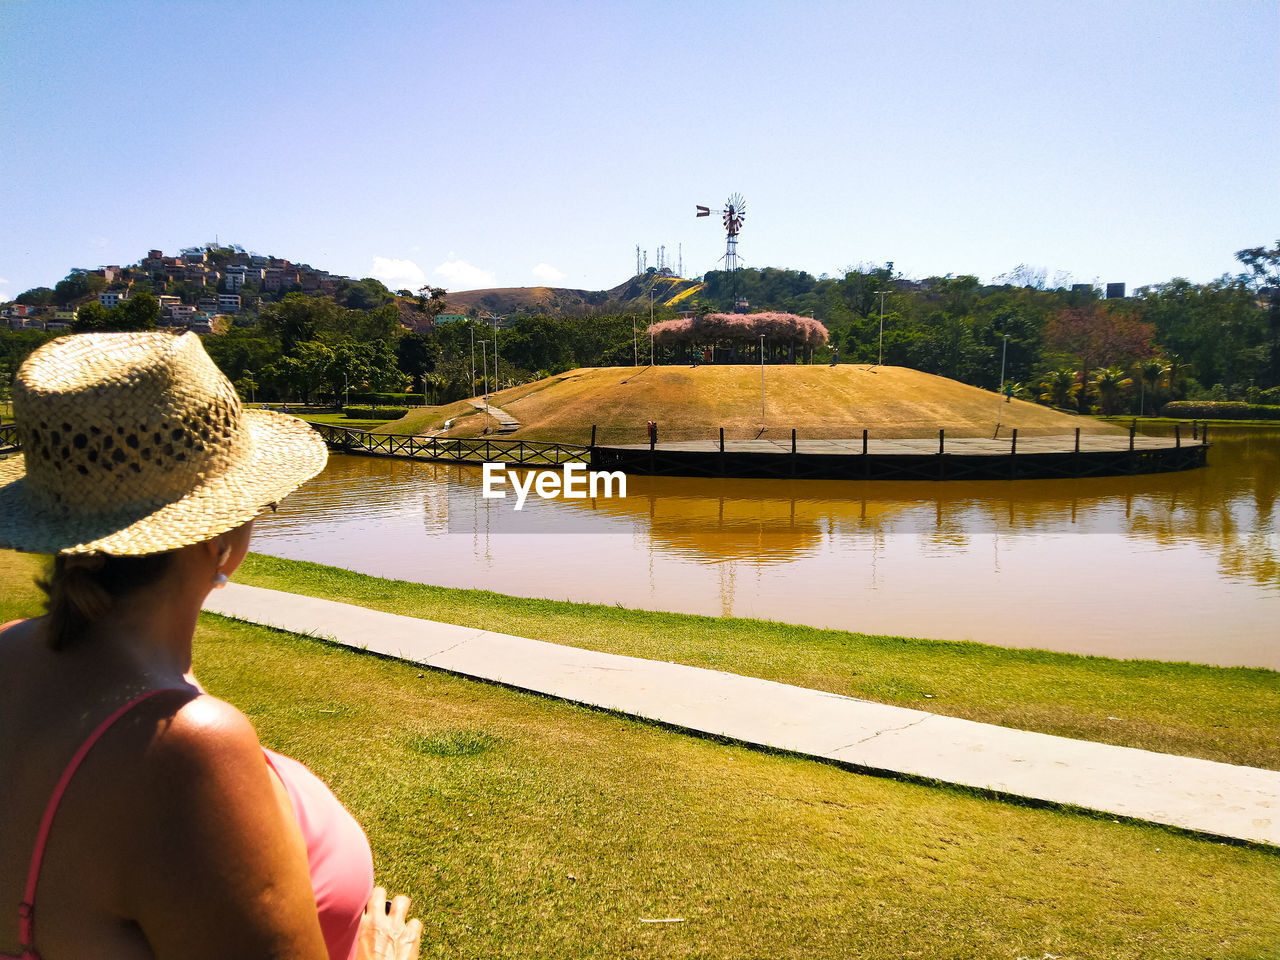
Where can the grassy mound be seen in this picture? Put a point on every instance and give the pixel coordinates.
(693, 403)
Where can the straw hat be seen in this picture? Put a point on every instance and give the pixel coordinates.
(135, 443)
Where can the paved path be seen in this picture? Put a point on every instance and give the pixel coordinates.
(506, 422)
(1200, 795)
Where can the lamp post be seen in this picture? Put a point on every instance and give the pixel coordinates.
(651, 326)
(762, 420)
(880, 362)
(1004, 352)
(1000, 409)
(484, 357)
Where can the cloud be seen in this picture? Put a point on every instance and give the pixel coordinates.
(545, 271)
(460, 275)
(398, 274)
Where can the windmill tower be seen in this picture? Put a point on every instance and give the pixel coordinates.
(733, 214)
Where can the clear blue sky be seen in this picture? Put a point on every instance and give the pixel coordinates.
(477, 144)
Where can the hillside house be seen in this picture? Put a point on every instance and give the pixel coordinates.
(110, 298)
(228, 303)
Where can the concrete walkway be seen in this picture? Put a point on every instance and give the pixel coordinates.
(1215, 798)
(506, 422)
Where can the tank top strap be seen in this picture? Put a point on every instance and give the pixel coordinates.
(26, 910)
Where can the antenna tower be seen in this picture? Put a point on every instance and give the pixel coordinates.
(680, 259)
(638, 271)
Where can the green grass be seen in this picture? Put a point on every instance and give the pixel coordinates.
(523, 826)
(342, 420)
(1227, 714)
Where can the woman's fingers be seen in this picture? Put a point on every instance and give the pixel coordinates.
(377, 901)
(399, 908)
(412, 939)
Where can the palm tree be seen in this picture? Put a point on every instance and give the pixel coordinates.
(1060, 388)
(434, 383)
(1175, 371)
(1149, 374)
(1109, 385)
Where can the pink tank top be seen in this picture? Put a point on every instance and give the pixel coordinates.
(338, 854)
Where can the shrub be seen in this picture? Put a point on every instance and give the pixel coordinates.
(363, 412)
(1220, 410)
(386, 399)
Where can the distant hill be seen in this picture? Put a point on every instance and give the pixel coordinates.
(633, 294)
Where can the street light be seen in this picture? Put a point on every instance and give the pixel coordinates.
(651, 326)
(999, 409)
(762, 420)
(880, 362)
(484, 357)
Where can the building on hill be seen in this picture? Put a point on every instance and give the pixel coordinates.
(109, 298)
(228, 303)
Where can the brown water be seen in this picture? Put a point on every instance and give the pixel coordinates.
(1179, 566)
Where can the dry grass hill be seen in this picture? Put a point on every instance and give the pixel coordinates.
(693, 403)
(559, 301)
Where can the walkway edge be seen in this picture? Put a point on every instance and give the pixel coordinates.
(1220, 799)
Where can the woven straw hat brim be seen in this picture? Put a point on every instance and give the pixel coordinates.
(286, 454)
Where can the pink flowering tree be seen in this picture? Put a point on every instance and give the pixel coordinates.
(787, 336)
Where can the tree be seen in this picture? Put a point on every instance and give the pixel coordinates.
(366, 294)
(36, 297)
(1060, 388)
(1093, 337)
(432, 300)
(417, 355)
(299, 318)
(139, 312)
(93, 317)
(1109, 385)
(1264, 273)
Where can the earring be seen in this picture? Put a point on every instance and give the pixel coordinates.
(220, 579)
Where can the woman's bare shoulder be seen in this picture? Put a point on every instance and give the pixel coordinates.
(217, 842)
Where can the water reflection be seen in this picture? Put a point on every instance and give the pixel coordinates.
(1176, 566)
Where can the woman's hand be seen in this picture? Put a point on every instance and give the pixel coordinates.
(384, 934)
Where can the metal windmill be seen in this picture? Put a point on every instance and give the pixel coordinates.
(733, 214)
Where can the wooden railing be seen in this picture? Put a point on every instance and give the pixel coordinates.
(8, 437)
(461, 450)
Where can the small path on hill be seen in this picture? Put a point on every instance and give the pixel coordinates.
(506, 422)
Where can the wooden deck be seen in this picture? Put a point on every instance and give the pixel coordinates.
(967, 458)
(865, 458)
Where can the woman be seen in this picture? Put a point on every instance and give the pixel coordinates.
(139, 816)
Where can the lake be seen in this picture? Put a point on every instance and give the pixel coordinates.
(1182, 566)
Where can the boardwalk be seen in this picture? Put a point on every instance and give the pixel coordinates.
(867, 458)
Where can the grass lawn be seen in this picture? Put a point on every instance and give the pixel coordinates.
(820, 401)
(342, 420)
(1227, 714)
(1218, 713)
(522, 826)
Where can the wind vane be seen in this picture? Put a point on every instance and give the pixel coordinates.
(734, 212)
